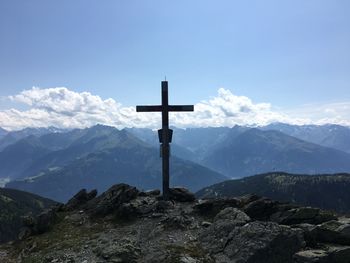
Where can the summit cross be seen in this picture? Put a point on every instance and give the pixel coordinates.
(165, 134)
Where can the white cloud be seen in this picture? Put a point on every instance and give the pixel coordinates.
(61, 107)
(64, 108)
(319, 114)
(227, 109)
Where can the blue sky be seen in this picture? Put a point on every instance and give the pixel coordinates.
(287, 53)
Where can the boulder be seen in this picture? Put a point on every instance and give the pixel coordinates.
(301, 215)
(239, 240)
(215, 236)
(181, 195)
(45, 221)
(232, 215)
(39, 224)
(308, 231)
(312, 256)
(261, 209)
(248, 198)
(327, 254)
(111, 200)
(80, 198)
(213, 206)
(332, 232)
(142, 206)
(263, 242)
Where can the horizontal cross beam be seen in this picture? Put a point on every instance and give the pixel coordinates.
(166, 108)
(180, 108)
(148, 108)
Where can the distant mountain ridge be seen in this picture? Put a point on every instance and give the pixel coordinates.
(16, 158)
(101, 156)
(191, 143)
(3, 132)
(235, 152)
(255, 151)
(328, 191)
(329, 135)
(32, 154)
(231, 151)
(14, 136)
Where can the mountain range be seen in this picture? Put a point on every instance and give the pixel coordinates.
(330, 135)
(8, 138)
(255, 151)
(241, 151)
(56, 163)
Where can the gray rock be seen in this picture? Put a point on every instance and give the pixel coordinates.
(80, 198)
(37, 225)
(303, 215)
(210, 207)
(332, 232)
(123, 251)
(139, 207)
(308, 231)
(328, 254)
(112, 199)
(246, 199)
(339, 254)
(261, 209)
(233, 215)
(311, 256)
(216, 230)
(263, 242)
(215, 237)
(45, 221)
(181, 195)
(188, 259)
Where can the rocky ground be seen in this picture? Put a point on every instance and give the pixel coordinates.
(125, 225)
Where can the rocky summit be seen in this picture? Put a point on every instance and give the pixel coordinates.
(124, 224)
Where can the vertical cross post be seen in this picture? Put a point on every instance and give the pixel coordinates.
(165, 132)
(165, 146)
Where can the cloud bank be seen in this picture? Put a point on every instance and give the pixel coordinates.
(64, 108)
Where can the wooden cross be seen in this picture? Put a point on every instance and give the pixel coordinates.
(165, 133)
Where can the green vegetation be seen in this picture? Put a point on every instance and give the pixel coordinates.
(13, 205)
(329, 191)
